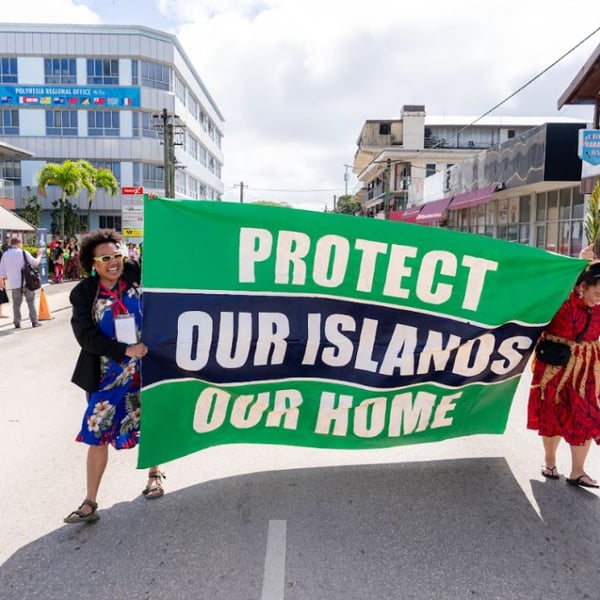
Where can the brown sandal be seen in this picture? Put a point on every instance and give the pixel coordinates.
(78, 516)
(155, 489)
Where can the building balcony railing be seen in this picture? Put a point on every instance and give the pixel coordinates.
(7, 194)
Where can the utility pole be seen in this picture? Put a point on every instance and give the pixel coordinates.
(172, 130)
(241, 192)
(334, 203)
(346, 179)
(386, 201)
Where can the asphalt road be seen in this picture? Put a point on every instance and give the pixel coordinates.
(468, 518)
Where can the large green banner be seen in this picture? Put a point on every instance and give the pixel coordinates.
(280, 326)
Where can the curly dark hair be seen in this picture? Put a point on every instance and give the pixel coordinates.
(93, 239)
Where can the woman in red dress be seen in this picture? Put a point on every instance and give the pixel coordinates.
(564, 400)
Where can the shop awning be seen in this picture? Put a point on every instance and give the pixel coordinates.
(11, 222)
(473, 198)
(433, 211)
(408, 216)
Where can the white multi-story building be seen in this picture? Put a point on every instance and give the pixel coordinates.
(103, 93)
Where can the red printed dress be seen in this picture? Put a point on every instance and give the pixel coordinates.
(564, 400)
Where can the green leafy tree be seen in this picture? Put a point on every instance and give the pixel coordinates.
(32, 210)
(97, 179)
(65, 216)
(71, 178)
(348, 205)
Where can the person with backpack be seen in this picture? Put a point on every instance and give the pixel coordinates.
(11, 268)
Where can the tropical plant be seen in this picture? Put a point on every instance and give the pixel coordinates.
(70, 177)
(68, 215)
(591, 222)
(98, 178)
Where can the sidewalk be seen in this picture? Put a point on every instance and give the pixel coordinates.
(57, 297)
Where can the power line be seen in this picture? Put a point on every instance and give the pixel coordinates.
(255, 189)
(528, 83)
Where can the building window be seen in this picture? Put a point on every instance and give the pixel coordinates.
(153, 176)
(429, 169)
(102, 71)
(110, 222)
(149, 125)
(9, 122)
(60, 70)
(155, 75)
(559, 216)
(11, 171)
(134, 72)
(102, 123)
(510, 134)
(8, 70)
(61, 122)
(385, 129)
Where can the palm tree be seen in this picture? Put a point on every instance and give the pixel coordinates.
(97, 178)
(69, 177)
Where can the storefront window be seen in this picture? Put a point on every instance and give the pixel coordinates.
(524, 233)
(565, 204)
(552, 236)
(540, 213)
(564, 229)
(576, 237)
(577, 205)
(540, 236)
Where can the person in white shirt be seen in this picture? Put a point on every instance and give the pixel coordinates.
(11, 263)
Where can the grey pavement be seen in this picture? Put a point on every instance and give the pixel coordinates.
(465, 518)
(57, 298)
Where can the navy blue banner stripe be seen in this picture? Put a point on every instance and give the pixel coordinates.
(322, 338)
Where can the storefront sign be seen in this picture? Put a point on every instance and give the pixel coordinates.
(589, 146)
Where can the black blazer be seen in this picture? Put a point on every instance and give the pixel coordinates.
(92, 341)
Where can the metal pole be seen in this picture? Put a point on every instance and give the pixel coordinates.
(241, 191)
(386, 201)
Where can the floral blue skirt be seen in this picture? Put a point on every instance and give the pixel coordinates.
(113, 412)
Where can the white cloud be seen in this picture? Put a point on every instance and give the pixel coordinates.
(296, 79)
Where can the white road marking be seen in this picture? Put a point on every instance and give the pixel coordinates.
(274, 575)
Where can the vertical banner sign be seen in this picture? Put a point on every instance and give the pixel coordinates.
(281, 326)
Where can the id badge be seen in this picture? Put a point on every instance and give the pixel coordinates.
(125, 329)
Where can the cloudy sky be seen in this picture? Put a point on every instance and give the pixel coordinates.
(296, 79)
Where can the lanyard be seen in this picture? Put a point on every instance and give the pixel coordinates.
(115, 296)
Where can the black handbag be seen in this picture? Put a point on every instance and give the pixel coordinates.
(29, 276)
(553, 353)
(559, 353)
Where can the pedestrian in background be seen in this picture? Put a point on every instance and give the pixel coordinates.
(11, 265)
(106, 322)
(72, 267)
(563, 399)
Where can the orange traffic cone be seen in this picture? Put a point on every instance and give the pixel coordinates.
(44, 311)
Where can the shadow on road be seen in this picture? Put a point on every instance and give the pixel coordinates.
(440, 530)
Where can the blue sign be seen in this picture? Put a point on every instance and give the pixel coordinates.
(589, 146)
(72, 96)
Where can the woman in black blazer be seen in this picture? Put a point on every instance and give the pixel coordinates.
(106, 322)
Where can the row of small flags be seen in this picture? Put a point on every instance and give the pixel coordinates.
(71, 100)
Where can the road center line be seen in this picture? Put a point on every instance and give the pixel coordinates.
(274, 574)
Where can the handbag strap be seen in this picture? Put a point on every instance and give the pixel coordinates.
(22, 270)
(587, 324)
